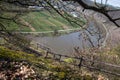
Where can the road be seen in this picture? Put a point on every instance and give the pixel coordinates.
(52, 31)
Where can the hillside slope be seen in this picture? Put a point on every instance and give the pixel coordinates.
(16, 65)
(42, 21)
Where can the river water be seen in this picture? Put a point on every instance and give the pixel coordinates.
(65, 44)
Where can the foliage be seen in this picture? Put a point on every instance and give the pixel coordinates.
(45, 68)
(69, 60)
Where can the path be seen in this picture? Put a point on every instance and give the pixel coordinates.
(53, 31)
(27, 24)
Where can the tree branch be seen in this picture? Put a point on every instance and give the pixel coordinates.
(101, 10)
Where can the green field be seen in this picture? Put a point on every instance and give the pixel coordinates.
(42, 21)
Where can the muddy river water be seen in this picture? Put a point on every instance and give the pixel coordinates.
(65, 44)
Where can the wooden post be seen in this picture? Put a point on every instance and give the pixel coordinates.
(60, 57)
(46, 54)
(37, 46)
(53, 56)
(80, 63)
(92, 62)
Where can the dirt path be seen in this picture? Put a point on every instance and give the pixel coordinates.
(27, 24)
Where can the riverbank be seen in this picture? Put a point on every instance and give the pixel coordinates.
(51, 33)
(112, 34)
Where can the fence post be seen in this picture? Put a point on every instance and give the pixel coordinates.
(92, 62)
(53, 56)
(37, 46)
(46, 54)
(59, 57)
(80, 63)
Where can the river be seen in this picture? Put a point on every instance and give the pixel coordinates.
(65, 44)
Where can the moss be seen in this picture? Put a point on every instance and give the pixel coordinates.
(52, 70)
(88, 77)
(15, 55)
(69, 60)
(61, 75)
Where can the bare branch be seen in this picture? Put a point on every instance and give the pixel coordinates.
(100, 10)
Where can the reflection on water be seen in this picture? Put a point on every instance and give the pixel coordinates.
(65, 44)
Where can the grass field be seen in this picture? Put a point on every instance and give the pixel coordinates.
(41, 21)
